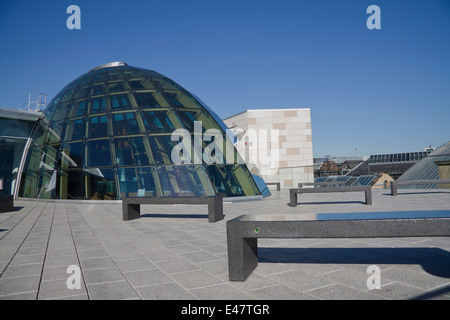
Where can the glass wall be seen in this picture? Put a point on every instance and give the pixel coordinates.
(109, 135)
(13, 138)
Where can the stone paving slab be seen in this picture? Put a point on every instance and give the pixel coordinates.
(172, 252)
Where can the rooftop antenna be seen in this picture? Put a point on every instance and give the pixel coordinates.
(37, 102)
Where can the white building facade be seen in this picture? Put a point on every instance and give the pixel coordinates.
(276, 143)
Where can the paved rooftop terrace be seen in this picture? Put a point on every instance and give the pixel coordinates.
(172, 252)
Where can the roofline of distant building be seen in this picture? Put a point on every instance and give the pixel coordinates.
(20, 114)
(268, 109)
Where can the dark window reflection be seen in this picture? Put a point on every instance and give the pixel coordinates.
(159, 121)
(120, 102)
(98, 105)
(72, 184)
(224, 180)
(98, 89)
(72, 155)
(146, 100)
(75, 130)
(99, 153)
(98, 127)
(78, 108)
(116, 87)
(125, 124)
(100, 184)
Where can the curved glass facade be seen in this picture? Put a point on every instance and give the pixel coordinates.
(109, 135)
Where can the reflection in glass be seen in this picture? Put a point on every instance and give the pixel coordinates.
(72, 185)
(132, 151)
(75, 129)
(120, 102)
(125, 124)
(224, 178)
(72, 155)
(100, 183)
(98, 105)
(146, 100)
(137, 182)
(159, 121)
(78, 109)
(98, 127)
(185, 180)
(99, 154)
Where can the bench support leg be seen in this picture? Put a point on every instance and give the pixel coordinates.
(6, 203)
(215, 210)
(242, 257)
(393, 188)
(131, 211)
(293, 199)
(368, 197)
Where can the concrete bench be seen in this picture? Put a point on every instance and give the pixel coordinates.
(395, 184)
(321, 184)
(6, 203)
(278, 184)
(366, 189)
(131, 206)
(243, 232)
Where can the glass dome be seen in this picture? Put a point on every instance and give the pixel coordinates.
(109, 134)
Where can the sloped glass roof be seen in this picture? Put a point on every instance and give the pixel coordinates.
(426, 169)
(109, 135)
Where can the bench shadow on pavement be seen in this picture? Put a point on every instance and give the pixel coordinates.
(326, 202)
(175, 215)
(434, 261)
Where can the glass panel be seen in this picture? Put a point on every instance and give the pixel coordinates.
(47, 182)
(98, 105)
(182, 100)
(162, 149)
(98, 127)
(190, 180)
(116, 87)
(11, 151)
(15, 128)
(55, 131)
(189, 117)
(72, 155)
(82, 92)
(98, 89)
(218, 149)
(173, 99)
(137, 182)
(34, 156)
(100, 184)
(125, 124)
(160, 121)
(133, 151)
(146, 100)
(99, 153)
(78, 109)
(232, 180)
(120, 102)
(75, 129)
(71, 184)
(29, 184)
(61, 111)
(49, 159)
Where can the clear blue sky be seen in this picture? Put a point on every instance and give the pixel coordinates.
(382, 91)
